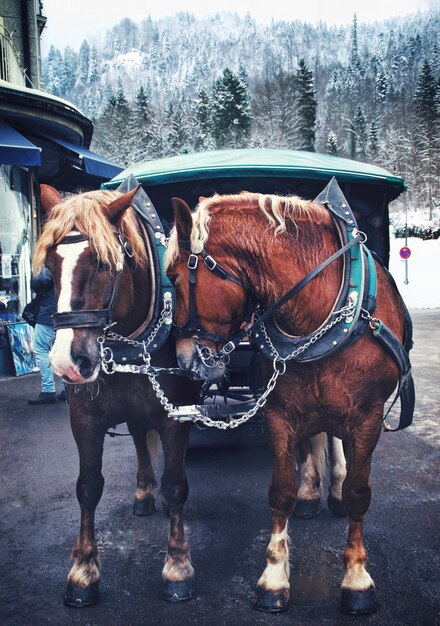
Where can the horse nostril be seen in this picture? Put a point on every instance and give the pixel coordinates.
(85, 366)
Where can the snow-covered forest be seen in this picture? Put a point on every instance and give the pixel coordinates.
(366, 91)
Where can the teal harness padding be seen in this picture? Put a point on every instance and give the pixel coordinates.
(123, 351)
(357, 295)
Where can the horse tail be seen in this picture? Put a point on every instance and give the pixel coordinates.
(153, 443)
(320, 456)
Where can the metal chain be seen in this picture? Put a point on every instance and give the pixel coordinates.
(108, 364)
(192, 414)
(345, 312)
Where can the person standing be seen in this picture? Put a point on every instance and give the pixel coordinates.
(44, 336)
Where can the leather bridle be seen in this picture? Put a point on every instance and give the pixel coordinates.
(193, 327)
(92, 318)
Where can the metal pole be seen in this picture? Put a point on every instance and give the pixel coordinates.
(406, 281)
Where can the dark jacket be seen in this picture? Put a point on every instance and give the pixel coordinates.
(43, 284)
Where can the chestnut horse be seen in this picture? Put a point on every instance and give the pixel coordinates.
(268, 244)
(80, 245)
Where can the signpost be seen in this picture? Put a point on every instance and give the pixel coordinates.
(405, 253)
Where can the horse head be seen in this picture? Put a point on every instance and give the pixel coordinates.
(210, 297)
(86, 243)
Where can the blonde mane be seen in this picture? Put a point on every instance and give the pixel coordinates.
(276, 209)
(86, 213)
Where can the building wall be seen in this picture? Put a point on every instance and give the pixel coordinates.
(24, 21)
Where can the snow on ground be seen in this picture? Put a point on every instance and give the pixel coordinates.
(423, 288)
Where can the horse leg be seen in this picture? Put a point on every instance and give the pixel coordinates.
(146, 480)
(273, 589)
(338, 472)
(358, 592)
(312, 459)
(178, 572)
(83, 578)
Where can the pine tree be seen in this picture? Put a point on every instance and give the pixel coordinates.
(53, 72)
(70, 61)
(140, 128)
(359, 134)
(202, 108)
(94, 75)
(83, 64)
(373, 140)
(355, 61)
(178, 132)
(425, 95)
(231, 114)
(332, 144)
(306, 100)
(381, 85)
(427, 138)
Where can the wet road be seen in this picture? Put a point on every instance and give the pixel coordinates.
(227, 518)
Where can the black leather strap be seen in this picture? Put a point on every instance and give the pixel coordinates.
(405, 390)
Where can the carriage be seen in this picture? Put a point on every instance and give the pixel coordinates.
(369, 190)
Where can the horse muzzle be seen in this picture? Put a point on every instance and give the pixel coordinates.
(191, 360)
(76, 359)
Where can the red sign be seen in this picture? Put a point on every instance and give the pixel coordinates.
(405, 252)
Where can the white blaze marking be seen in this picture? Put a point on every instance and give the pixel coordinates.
(60, 354)
(70, 253)
(276, 574)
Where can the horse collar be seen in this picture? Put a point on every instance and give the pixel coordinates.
(357, 292)
(157, 327)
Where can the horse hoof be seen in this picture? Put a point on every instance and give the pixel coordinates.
(306, 509)
(143, 508)
(80, 597)
(336, 507)
(178, 591)
(271, 601)
(358, 602)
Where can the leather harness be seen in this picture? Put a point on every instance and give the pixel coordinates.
(163, 290)
(351, 315)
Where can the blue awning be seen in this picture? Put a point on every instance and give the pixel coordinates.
(16, 149)
(94, 164)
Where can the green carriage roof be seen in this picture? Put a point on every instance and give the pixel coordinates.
(256, 163)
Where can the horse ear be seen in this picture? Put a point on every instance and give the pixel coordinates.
(117, 207)
(182, 218)
(49, 197)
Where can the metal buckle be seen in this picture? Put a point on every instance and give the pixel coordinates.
(193, 261)
(228, 347)
(210, 263)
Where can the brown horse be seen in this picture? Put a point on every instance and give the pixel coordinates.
(81, 247)
(268, 244)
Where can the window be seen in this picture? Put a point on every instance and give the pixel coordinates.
(15, 241)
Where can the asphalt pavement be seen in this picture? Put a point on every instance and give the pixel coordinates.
(227, 519)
